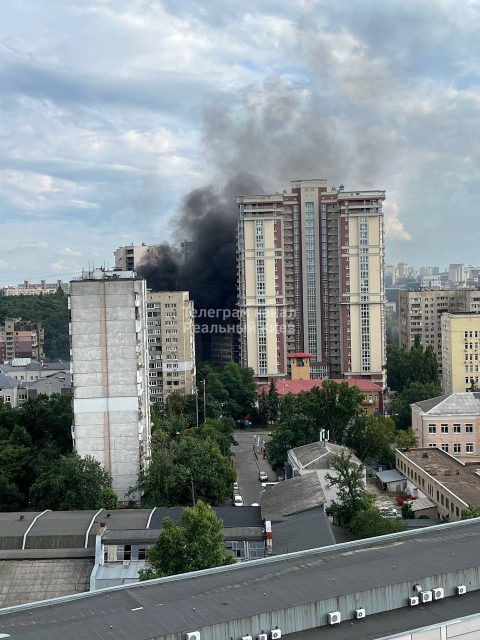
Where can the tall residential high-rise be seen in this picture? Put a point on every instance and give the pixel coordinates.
(171, 344)
(310, 279)
(460, 352)
(420, 315)
(129, 258)
(110, 373)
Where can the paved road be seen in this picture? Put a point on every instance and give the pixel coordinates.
(248, 460)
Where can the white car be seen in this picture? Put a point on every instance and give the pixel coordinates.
(238, 501)
(262, 476)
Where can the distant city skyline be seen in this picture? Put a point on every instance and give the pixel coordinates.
(112, 112)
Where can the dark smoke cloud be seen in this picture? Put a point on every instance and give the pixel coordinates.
(208, 219)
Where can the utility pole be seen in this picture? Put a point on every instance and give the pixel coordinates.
(196, 404)
(193, 489)
(204, 403)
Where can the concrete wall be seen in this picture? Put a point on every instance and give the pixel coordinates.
(466, 629)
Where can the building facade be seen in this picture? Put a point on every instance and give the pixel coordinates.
(19, 339)
(450, 422)
(27, 288)
(420, 315)
(460, 351)
(109, 366)
(171, 344)
(129, 258)
(310, 279)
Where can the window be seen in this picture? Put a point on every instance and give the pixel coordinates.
(445, 447)
(469, 447)
(432, 445)
(456, 428)
(444, 428)
(432, 428)
(457, 448)
(469, 428)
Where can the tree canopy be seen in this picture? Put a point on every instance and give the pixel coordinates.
(370, 523)
(348, 478)
(414, 392)
(195, 543)
(414, 365)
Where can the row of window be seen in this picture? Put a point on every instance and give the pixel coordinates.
(457, 447)
(457, 428)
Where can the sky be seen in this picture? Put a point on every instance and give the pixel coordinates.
(112, 111)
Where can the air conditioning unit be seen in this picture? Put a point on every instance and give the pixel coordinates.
(276, 634)
(426, 596)
(360, 613)
(335, 617)
(438, 593)
(413, 601)
(192, 635)
(262, 636)
(461, 590)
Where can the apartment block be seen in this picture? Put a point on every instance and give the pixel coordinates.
(27, 288)
(110, 373)
(171, 345)
(420, 315)
(129, 258)
(460, 351)
(310, 279)
(450, 423)
(20, 339)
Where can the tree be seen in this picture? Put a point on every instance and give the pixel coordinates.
(273, 402)
(371, 438)
(195, 543)
(406, 439)
(348, 478)
(242, 391)
(471, 512)
(219, 431)
(263, 409)
(184, 470)
(407, 511)
(414, 392)
(416, 364)
(369, 523)
(72, 483)
(10, 497)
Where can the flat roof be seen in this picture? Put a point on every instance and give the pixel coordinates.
(231, 516)
(457, 476)
(157, 608)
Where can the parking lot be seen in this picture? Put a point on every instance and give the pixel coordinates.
(249, 461)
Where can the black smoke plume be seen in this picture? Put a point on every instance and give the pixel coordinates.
(207, 267)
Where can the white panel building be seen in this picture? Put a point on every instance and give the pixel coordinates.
(110, 373)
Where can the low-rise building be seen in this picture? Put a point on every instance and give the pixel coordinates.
(29, 370)
(27, 288)
(452, 484)
(12, 392)
(450, 422)
(372, 402)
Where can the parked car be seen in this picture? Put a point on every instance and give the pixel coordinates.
(238, 501)
(262, 476)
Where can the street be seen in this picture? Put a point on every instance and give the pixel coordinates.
(249, 461)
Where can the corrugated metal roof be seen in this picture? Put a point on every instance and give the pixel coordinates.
(422, 503)
(292, 496)
(391, 475)
(461, 404)
(173, 605)
(308, 454)
(231, 516)
(302, 531)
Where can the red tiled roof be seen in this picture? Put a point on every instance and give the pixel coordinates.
(299, 355)
(296, 386)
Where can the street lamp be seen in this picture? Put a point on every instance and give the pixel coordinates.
(204, 403)
(196, 404)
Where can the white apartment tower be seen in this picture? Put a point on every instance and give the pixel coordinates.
(171, 344)
(310, 279)
(110, 373)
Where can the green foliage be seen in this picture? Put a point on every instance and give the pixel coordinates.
(407, 511)
(72, 483)
(108, 499)
(184, 469)
(219, 431)
(371, 438)
(32, 438)
(406, 439)
(406, 366)
(263, 415)
(348, 478)
(471, 512)
(195, 543)
(369, 523)
(332, 407)
(273, 402)
(10, 497)
(51, 310)
(414, 392)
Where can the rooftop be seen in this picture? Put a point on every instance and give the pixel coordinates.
(296, 386)
(292, 496)
(458, 477)
(308, 454)
(231, 516)
(391, 475)
(169, 606)
(454, 404)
